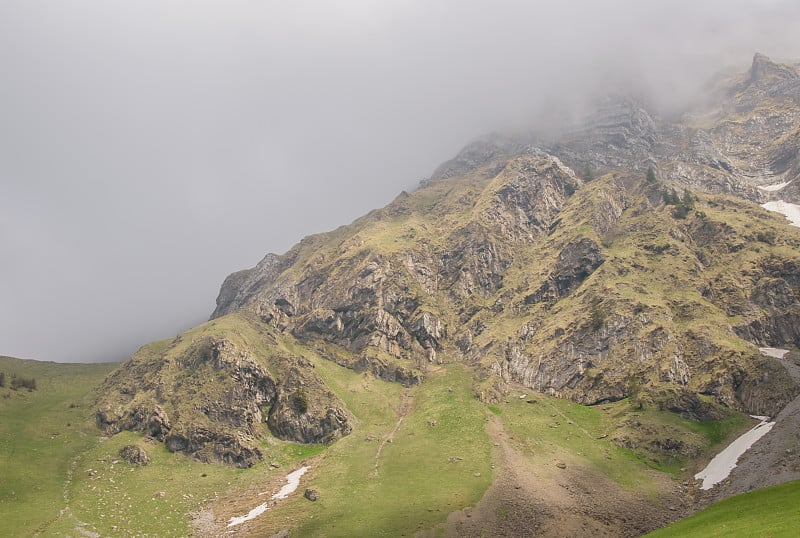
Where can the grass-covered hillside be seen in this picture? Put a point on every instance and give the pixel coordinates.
(512, 348)
(43, 433)
(771, 512)
(416, 455)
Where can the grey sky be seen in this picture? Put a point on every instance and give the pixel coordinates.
(149, 148)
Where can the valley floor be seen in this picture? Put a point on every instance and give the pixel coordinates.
(429, 461)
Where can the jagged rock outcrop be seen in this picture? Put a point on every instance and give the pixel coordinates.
(765, 72)
(305, 409)
(135, 455)
(619, 132)
(477, 154)
(240, 286)
(209, 399)
(529, 195)
(574, 264)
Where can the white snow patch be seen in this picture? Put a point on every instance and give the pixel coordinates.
(773, 188)
(723, 463)
(292, 479)
(792, 211)
(773, 352)
(252, 514)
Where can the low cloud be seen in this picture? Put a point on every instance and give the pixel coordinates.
(149, 148)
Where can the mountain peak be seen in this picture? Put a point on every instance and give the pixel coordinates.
(764, 69)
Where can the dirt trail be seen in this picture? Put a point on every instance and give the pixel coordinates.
(65, 510)
(533, 496)
(406, 403)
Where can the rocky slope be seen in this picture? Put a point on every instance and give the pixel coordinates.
(512, 258)
(211, 392)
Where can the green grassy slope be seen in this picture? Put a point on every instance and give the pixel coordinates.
(406, 485)
(41, 433)
(392, 476)
(770, 512)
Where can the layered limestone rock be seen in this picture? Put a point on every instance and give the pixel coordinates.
(528, 196)
(610, 292)
(574, 264)
(618, 132)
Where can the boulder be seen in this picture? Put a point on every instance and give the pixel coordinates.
(135, 455)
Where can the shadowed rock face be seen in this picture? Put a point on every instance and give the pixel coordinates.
(575, 263)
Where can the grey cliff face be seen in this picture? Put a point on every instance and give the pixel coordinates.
(575, 263)
(239, 287)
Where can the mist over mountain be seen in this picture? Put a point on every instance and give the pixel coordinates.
(650, 274)
(630, 278)
(149, 149)
(492, 269)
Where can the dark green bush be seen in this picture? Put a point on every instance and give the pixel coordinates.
(299, 401)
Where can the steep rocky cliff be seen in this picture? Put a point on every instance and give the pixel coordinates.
(593, 286)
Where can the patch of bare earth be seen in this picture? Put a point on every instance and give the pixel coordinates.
(542, 496)
(212, 520)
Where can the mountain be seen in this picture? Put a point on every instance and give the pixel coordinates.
(623, 258)
(591, 289)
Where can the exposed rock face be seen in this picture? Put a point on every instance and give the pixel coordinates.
(239, 285)
(478, 154)
(371, 299)
(530, 195)
(768, 79)
(690, 406)
(208, 399)
(618, 133)
(574, 264)
(214, 445)
(292, 415)
(764, 71)
(776, 320)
